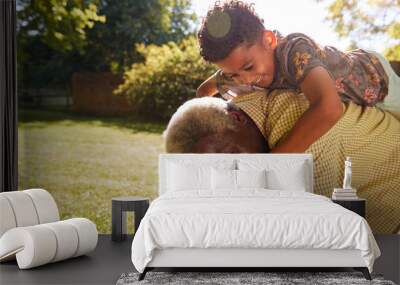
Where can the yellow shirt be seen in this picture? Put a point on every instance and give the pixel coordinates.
(370, 136)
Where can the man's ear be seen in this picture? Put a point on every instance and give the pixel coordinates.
(238, 117)
(269, 39)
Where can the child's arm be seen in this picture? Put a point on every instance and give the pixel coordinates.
(324, 111)
(208, 87)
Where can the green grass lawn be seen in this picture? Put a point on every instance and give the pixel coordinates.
(84, 161)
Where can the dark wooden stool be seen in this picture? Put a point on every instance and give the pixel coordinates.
(357, 205)
(121, 205)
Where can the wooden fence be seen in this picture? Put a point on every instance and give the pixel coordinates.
(93, 93)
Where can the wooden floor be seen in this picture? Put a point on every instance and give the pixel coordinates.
(111, 259)
(102, 266)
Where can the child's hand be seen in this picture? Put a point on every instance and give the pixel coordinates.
(208, 87)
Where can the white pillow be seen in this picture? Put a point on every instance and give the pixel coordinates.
(281, 174)
(183, 178)
(251, 178)
(293, 180)
(188, 175)
(225, 179)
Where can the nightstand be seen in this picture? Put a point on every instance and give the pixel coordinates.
(121, 205)
(356, 205)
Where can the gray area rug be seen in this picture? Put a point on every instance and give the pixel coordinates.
(230, 278)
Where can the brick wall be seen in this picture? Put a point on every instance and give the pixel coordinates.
(92, 93)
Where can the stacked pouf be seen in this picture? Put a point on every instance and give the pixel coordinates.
(31, 230)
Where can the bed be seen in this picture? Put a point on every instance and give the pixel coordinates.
(247, 210)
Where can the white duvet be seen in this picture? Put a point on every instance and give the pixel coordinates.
(250, 219)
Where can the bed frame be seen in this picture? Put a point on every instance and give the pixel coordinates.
(246, 258)
(242, 259)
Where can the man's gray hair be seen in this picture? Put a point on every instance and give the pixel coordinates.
(196, 119)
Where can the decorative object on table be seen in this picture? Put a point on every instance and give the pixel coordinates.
(356, 205)
(121, 205)
(243, 278)
(31, 231)
(347, 192)
(347, 174)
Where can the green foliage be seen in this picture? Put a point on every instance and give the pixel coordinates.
(168, 77)
(61, 24)
(59, 37)
(374, 19)
(131, 22)
(50, 35)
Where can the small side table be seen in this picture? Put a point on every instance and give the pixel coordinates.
(121, 205)
(356, 205)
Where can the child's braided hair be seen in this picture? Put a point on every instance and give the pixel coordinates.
(226, 26)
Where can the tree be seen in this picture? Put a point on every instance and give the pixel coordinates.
(169, 75)
(48, 32)
(59, 37)
(132, 22)
(60, 24)
(368, 19)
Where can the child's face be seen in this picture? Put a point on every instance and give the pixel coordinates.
(252, 65)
